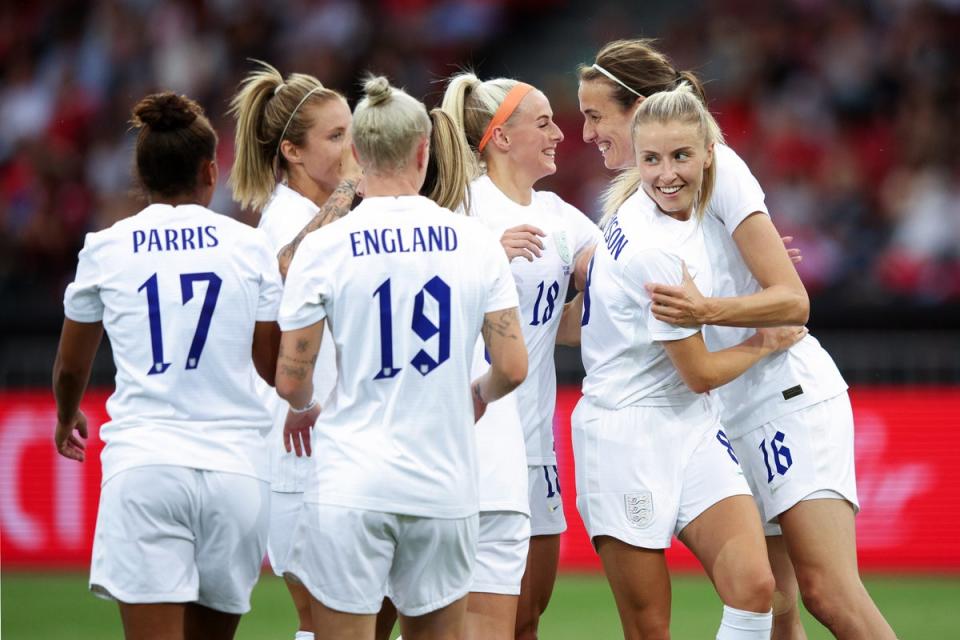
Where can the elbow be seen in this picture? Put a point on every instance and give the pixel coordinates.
(699, 382)
(514, 373)
(286, 386)
(269, 375)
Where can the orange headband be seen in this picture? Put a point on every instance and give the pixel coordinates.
(504, 111)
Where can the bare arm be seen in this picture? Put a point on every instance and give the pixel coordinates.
(704, 370)
(568, 334)
(336, 206)
(508, 356)
(297, 358)
(71, 372)
(782, 301)
(266, 347)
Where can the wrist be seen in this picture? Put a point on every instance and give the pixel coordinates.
(304, 409)
(711, 312)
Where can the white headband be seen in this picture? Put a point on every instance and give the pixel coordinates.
(293, 113)
(617, 80)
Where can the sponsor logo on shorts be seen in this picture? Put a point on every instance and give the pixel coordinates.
(639, 508)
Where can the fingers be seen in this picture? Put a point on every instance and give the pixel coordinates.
(522, 241)
(71, 448)
(795, 255)
(305, 437)
(786, 240)
(287, 439)
(81, 425)
(686, 272)
(529, 228)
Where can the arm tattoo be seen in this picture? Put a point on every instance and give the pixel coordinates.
(336, 206)
(297, 373)
(503, 325)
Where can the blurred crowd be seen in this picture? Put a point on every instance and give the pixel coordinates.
(846, 111)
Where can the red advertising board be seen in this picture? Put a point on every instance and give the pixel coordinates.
(908, 477)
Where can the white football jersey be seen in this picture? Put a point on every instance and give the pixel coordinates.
(620, 339)
(542, 288)
(404, 285)
(784, 382)
(282, 219)
(178, 290)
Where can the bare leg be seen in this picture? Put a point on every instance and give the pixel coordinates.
(641, 588)
(491, 616)
(337, 625)
(443, 624)
(204, 623)
(301, 600)
(728, 540)
(163, 621)
(386, 619)
(821, 537)
(786, 613)
(537, 584)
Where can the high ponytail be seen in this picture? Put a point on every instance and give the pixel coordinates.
(269, 110)
(451, 166)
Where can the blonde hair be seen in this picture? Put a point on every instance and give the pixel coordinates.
(678, 105)
(269, 110)
(451, 165)
(472, 104)
(387, 124)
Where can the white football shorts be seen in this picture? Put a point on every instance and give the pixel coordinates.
(174, 534)
(284, 511)
(503, 541)
(546, 504)
(349, 559)
(645, 473)
(804, 455)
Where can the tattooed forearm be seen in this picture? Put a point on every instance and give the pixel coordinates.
(297, 373)
(336, 206)
(504, 324)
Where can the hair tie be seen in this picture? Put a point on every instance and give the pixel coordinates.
(293, 113)
(617, 80)
(504, 111)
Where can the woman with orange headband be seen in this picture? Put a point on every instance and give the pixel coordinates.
(509, 125)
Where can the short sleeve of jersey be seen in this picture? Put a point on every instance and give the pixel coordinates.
(81, 301)
(586, 233)
(271, 285)
(736, 193)
(503, 288)
(308, 285)
(653, 266)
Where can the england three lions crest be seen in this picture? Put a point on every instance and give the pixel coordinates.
(639, 508)
(563, 250)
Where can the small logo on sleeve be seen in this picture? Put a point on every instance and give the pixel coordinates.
(639, 508)
(563, 248)
(792, 392)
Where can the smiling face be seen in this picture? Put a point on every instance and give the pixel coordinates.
(318, 159)
(533, 137)
(672, 157)
(607, 124)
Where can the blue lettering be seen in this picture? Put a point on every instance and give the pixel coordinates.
(154, 241)
(389, 245)
(171, 238)
(400, 245)
(435, 237)
(200, 237)
(187, 238)
(451, 237)
(211, 236)
(355, 243)
(614, 238)
(370, 240)
(418, 240)
(139, 237)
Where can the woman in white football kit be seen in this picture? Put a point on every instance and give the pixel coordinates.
(509, 127)
(788, 418)
(189, 299)
(392, 505)
(301, 130)
(652, 458)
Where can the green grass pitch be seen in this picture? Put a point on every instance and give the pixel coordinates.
(59, 607)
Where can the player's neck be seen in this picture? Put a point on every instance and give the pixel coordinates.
(178, 200)
(513, 185)
(306, 187)
(391, 185)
